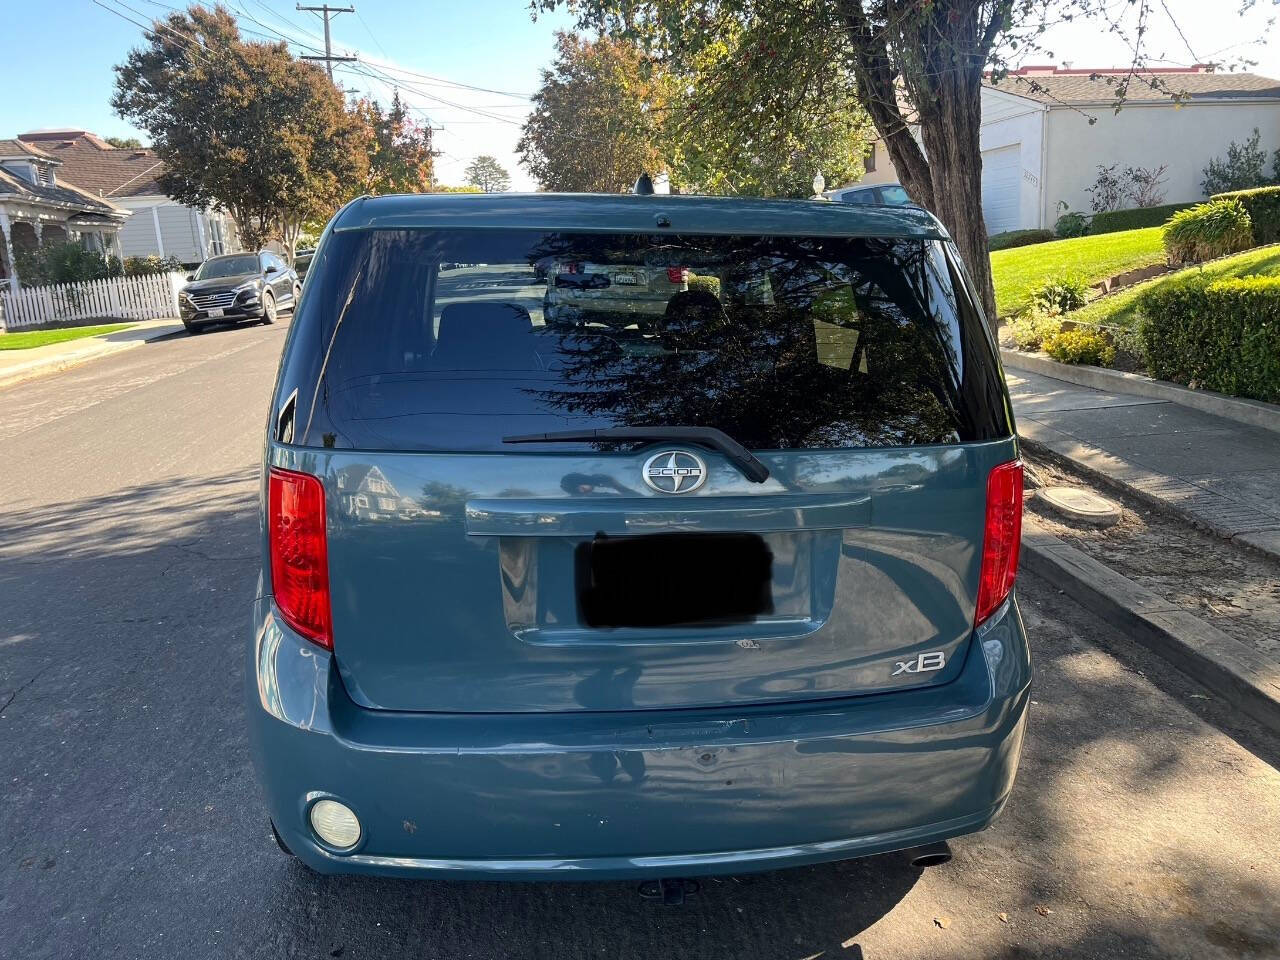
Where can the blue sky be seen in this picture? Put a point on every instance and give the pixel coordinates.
(480, 43)
(484, 43)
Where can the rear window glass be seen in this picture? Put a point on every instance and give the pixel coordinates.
(453, 340)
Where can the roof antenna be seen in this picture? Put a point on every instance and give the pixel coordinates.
(644, 185)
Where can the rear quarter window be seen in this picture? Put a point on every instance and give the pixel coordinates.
(451, 340)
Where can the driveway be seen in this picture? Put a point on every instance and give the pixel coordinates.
(131, 825)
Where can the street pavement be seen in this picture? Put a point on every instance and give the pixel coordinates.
(1144, 823)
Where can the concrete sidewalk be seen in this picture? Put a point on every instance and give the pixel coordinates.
(19, 365)
(1219, 474)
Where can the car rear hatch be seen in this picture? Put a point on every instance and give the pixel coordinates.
(479, 562)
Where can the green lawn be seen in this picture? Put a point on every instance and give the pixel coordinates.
(1120, 309)
(1017, 272)
(40, 338)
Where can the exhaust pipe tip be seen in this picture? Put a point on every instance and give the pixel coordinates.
(930, 855)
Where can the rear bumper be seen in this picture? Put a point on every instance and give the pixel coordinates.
(640, 794)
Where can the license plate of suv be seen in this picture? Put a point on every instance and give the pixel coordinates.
(214, 311)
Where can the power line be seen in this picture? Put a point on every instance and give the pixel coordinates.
(376, 43)
(327, 12)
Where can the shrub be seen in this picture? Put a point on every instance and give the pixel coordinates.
(1129, 344)
(1031, 328)
(1219, 335)
(1139, 218)
(1108, 190)
(140, 266)
(1241, 170)
(1071, 224)
(1064, 293)
(1081, 346)
(1018, 238)
(1208, 230)
(1145, 185)
(1263, 205)
(64, 263)
(703, 282)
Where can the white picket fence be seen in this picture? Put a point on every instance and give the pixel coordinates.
(118, 298)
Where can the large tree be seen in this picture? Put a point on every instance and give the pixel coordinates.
(401, 158)
(763, 108)
(596, 121)
(242, 126)
(717, 122)
(487, 174)
(918, 66)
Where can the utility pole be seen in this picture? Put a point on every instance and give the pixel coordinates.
(326, 12)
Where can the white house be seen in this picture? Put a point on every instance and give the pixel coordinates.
(1045, 130)
(38, 207)
(128, 178)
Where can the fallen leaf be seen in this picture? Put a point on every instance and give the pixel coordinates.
(1043, 911)
(1004, 917)
(943, 922)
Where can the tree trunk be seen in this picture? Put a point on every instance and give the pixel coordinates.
(951, 139)
(948, 49)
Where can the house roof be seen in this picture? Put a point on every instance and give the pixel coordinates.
(16, 148)
(1054, 85)
(90, 162)
(13, 186)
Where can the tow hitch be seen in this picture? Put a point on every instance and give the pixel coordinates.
(670, 890)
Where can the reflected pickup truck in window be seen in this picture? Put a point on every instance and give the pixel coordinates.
(635, 536)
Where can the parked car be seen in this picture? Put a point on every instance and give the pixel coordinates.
(616, 294)
(302, 262)
(237, 287)
(879, 194)
(730, 592)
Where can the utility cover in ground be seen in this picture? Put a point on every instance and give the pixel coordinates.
(1085, 506)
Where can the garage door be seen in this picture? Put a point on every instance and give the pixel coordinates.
(1001, 186)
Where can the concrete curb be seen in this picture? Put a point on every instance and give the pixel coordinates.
(1253, 412)
(1220, 663)
(80, 352)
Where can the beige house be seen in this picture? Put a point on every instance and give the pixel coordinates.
(1045, 130)
(38, 206)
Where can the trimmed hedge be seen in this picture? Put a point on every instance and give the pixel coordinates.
(1018, 238)
(1221, 335)
(1263, 204)
(1113, 221)
(1207, 231)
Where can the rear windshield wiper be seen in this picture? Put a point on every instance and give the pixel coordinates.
(718, 440)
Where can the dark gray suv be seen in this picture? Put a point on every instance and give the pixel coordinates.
(237, 287)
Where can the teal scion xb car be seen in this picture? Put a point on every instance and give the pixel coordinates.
(715, 589)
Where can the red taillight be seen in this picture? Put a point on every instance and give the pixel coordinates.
(572, 267)
(299, 555)
(678, 274)
(1002, 535)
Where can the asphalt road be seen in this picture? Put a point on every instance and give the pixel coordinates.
(131, 826)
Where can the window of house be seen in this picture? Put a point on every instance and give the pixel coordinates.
(869, 161)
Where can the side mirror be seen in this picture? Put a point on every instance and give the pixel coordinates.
(272, 271)
(190, 277)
